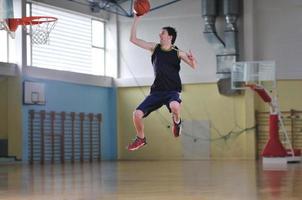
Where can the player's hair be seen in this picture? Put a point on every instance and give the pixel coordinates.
(172, 32)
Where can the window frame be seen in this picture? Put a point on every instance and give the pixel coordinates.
(29, 44)
(104, 42)
(9, 57)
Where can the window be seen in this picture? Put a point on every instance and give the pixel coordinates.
(7, 48)
(77, 43)
(98, 44)
(4, 46)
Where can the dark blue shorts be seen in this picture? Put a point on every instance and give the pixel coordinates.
(155, 100)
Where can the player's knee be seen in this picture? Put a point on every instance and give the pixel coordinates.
(138, 114)
(174, 106)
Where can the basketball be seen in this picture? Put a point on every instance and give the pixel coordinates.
(141, 7)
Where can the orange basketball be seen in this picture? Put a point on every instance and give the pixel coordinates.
(141, 7)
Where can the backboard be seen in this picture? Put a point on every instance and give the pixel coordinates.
(259, 73)
(6, 12)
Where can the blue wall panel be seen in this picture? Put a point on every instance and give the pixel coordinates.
(69, 97)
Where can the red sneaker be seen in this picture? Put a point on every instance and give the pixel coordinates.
(137, 143)
(176, 129)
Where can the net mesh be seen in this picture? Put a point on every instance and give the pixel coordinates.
(2, 25)
(39, 29)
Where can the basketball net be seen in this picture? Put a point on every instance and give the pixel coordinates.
(40, 32)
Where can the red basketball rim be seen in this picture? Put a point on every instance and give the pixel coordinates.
(33, 20)
(38, 19)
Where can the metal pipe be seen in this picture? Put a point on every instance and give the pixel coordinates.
(209, 14)
(209, 7)
(227, 49)
(231, 13)
(231, 7)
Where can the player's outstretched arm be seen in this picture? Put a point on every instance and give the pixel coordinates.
(188, 58)
(137, 41)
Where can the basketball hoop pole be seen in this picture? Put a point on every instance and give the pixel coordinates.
(260, 76)
(273, 147)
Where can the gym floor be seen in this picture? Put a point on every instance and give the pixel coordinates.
(160, 180)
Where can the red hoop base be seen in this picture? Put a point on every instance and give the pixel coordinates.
(274, 147)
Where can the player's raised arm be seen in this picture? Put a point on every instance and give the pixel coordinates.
(188, 58)
(137, 41)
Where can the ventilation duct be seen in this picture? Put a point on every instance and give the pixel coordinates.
(209, 14)
(227, 49)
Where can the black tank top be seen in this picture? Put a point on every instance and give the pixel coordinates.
(166, 65)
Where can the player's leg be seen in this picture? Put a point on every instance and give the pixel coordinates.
(138, 123)
(151, 103)
(140, 139)
(174, 106)
(175, 109)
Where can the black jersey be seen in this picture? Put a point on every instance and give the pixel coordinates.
(166, 65)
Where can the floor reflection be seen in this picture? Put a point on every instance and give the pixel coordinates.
(145, 180)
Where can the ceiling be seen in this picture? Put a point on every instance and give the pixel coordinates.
(119, 7)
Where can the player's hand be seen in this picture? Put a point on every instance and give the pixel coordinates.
(192, 59)
(136, 15)
(190, 56)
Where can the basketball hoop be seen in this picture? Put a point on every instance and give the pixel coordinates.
(39, 27)
(253, 74)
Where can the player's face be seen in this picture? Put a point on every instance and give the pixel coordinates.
(164, 36)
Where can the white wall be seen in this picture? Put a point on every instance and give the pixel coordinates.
(271, 31)
(185, 16)
(278, 35)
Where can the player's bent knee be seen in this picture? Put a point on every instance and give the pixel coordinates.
(175, 106)
(138, 114)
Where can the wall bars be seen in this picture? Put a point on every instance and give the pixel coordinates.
(60, 136)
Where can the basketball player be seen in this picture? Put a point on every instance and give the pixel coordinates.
(166, 87)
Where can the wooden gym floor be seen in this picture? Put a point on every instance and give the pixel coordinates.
(151, 180)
